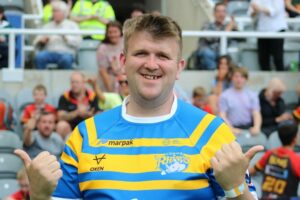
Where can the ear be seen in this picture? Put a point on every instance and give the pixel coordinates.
(180, 67)
(122, 60)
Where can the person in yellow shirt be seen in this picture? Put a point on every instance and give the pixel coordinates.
(92, 15)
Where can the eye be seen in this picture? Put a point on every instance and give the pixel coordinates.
(140, 53)
(163, 57)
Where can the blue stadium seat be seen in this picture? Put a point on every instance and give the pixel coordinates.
(237, 8)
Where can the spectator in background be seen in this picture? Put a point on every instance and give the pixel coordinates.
(272, 106)
(270, 18)
(208, 50)
(292, 7)
(3, 40)
(44, 138)
(138, 9)
(296, 114)
(109, 100)
(57, 49)
(108, 54)
(298, 94)
(32, 111)
(280, 166)
(48, 10)
(92, 15)
(239, 106)
(23, 193)
(200, 99)
(75, 105)
(221, 82)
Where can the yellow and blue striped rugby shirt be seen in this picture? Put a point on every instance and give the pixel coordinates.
(111, 157)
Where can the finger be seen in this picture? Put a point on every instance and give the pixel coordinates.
(214, 163)
(251, 152)
(24, 156)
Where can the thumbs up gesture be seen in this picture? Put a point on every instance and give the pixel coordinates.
(230, 164)
(43, 173)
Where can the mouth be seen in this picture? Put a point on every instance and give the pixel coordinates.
(151, 77)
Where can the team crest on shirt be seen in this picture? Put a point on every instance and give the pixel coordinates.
(172, 163)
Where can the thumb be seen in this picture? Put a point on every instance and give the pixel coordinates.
(253, 150)
(24, 156)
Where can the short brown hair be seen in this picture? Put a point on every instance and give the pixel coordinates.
(199, 92)
(242, 70)
(158, 26)
(40, 87)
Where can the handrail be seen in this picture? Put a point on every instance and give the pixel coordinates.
(223, 35)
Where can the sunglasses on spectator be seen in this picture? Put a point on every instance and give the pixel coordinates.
(123, 81)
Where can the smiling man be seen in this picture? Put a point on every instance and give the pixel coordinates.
(154, 146)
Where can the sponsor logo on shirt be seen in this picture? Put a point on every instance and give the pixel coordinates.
(98, 159)
(172, 163)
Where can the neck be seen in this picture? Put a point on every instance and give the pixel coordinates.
(291, 146)
(149, 108)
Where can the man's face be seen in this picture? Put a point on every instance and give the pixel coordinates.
(77, 83)
(24, 185)
(46, 124)
(220, 14)
(39, 96)
(239, 81)
(58, 15)
(152, 66)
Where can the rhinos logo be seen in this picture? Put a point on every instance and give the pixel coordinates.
(172, 162)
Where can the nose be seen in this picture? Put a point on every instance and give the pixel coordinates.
(151, 62)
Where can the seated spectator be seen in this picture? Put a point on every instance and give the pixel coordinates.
(292, 7)
(44, 138)
(3, 40)
(108, 55)
(7, 118)
(57, 49)
(200, 99)
(298, 94)
(280, 166)
(92, 15)
(208, 50)
(32, 111)
(23, 193)
(296, 115)
(109, 100)
(239, 106)
(221, 82)
(138, 9)
(75, 105)
(272, 106)
(48, 10)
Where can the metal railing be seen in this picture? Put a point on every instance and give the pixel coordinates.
(224, 36)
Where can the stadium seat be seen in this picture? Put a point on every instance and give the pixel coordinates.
(237, 8)
(246, 140)
(5, 95)
(273, 141)
(87, 55)
(10, 164)
(248, 56)
(8, 187)
(13, 4)
(9, 141)
(23, 98)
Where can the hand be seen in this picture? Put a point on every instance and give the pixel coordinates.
(231, 25)
(31, 123)
(255, 7)
(44, 40)
(43, 174)
(254, 130)
(92, 81)
(230, 164)
(236, 131)
(82, 110)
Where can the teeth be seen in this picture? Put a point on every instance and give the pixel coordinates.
(151, 77)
